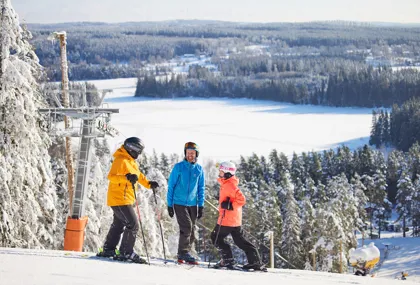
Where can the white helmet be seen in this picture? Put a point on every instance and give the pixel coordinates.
(227, 167)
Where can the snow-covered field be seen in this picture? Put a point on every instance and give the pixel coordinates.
(47, 267)
(228, 128)
(23, 266)
(403, 255)
(398, 254)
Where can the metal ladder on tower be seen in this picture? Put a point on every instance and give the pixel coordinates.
(82, 171)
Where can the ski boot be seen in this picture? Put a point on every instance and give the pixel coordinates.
(228, 263)
(130, 257)
(257, 266)
(106, 253)
(187, 258)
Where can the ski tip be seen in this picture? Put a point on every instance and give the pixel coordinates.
(181, 261)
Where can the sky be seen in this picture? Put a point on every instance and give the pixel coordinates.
(55, 11)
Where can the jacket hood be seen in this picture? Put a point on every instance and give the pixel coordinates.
(233, 180)
(122, 152)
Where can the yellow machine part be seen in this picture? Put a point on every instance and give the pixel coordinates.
(371, 263)
(366, 265)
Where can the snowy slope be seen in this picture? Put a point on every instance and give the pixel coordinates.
(398, 254)
(22, 266)
(228, 128)
(403, 255)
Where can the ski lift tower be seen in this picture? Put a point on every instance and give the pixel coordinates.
(89, 116)
(94, 124)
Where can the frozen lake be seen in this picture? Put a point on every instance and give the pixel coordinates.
(228, 128)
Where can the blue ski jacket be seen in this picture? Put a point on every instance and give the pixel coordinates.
(186, 185)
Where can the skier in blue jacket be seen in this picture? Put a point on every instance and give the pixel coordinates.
(186, 199)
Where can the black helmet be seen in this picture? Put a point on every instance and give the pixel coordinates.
(191, 145)
(134, 146)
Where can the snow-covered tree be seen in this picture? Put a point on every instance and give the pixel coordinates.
(154, 159)
(311, 189)
(308, 226)
(292, 247)
(299, 190)
(414, 160)
(99, 214)
(262, 211)
(277, 165)
(376, 194)
(334, 224)
(28, 217)
(415, 212)
(255, 168)
(320, 196)
(359, 190)
(394, 166)
(342, 162)
(315, 167)
(297, 169)
(165, 167)
(404, 198)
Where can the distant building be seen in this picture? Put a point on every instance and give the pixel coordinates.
(378, 61)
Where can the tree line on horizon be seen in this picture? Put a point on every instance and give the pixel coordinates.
(300, 62)
(356, 86)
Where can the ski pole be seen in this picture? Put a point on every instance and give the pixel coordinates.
(218, 230)
(141, 225)
(160, 225)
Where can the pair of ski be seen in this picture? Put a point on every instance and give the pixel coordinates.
(231, 267)
(240, 268)
(114, 259)
(182, 262)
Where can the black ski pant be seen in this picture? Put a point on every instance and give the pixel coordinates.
(125, 222)
(238, 238)
(186, 217)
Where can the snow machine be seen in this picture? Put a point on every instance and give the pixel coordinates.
(364, 258)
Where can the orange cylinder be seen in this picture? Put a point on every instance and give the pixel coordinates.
(75, 234)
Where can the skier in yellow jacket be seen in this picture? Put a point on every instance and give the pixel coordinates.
(123, 178)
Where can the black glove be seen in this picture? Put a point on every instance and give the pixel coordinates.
(200, 212)
(132, 178)
(171, 212)
(227, 205)
(153, 184)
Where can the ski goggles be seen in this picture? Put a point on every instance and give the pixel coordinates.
(191, 145)
(134, 147)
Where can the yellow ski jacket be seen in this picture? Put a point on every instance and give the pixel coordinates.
(120, 190)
